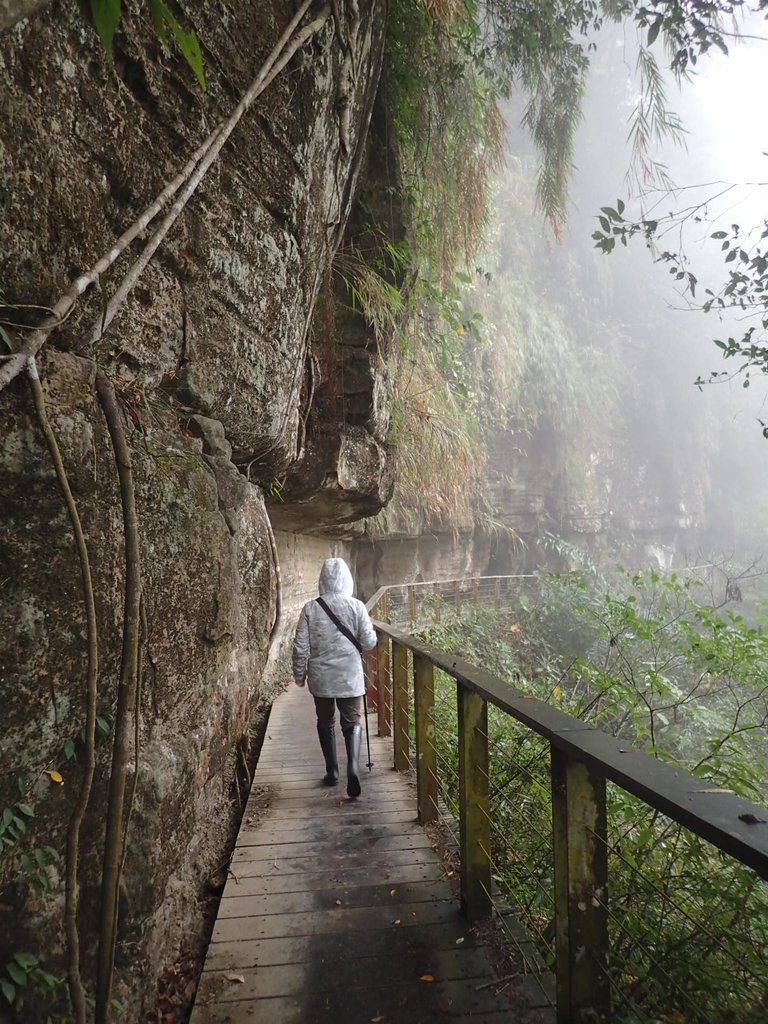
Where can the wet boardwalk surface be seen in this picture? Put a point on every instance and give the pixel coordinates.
(339, 910)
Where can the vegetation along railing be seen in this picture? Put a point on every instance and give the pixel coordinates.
(452, 721)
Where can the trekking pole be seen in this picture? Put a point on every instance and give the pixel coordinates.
(367, 737)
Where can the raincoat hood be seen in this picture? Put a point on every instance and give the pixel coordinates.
(335, 578)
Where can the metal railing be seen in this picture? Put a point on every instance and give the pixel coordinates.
(400, 604)
(578, 766)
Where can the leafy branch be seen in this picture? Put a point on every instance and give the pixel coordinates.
(745, 263)
(22, 973)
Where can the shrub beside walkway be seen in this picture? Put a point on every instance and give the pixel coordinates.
(339, 910)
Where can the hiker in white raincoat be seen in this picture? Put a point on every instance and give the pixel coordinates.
(330, 664)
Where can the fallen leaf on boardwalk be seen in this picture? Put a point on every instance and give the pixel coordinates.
(426, 977)
(444, 1005)
(338, 903)
(236, 977)
(54, 776)
(392, 892)
(459, 941)
(376, 1020)
(396, 921)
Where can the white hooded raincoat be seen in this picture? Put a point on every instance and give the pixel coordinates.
(329, 661)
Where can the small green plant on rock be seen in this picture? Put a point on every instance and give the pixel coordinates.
(23, 975)
(25, 867)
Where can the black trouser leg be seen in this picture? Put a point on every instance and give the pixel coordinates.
(352, 737)
(328, 743)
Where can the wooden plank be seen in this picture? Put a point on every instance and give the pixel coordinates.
(335, 898)
(542, 989)
(338, 948)
(395, 1003)
(336, 851)
(243, 1013)
(317, 795)
(309, 789)
(360, 859)
(314, 881)
(312, 777)
(374, 828)
(352, 820)
(394, 968)
(336, 796)
(323, 922)
(367, 804)
(359, 806)
(381, 779)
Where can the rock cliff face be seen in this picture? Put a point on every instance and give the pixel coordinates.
(211, 358)
(650, 507)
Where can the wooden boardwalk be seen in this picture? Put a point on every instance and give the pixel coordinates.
(338, 910)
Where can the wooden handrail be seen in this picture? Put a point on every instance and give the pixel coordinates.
(583, 759)
(727, 821)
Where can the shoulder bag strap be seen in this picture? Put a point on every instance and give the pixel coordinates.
(339, 625)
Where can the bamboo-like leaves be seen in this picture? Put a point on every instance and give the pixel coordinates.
(187, 42)
(106, 16)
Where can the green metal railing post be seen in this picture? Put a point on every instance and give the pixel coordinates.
(384, 686)
(400, 706)
(474, 807)
(426, 755)
(581, 892)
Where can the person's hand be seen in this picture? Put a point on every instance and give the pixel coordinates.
(299, 682)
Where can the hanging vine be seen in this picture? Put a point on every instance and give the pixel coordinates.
(71, 896)
(126, 702)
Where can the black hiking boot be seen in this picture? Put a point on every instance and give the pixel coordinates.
(328, 743)
(352, 739)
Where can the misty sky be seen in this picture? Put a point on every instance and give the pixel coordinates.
(725, 112)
